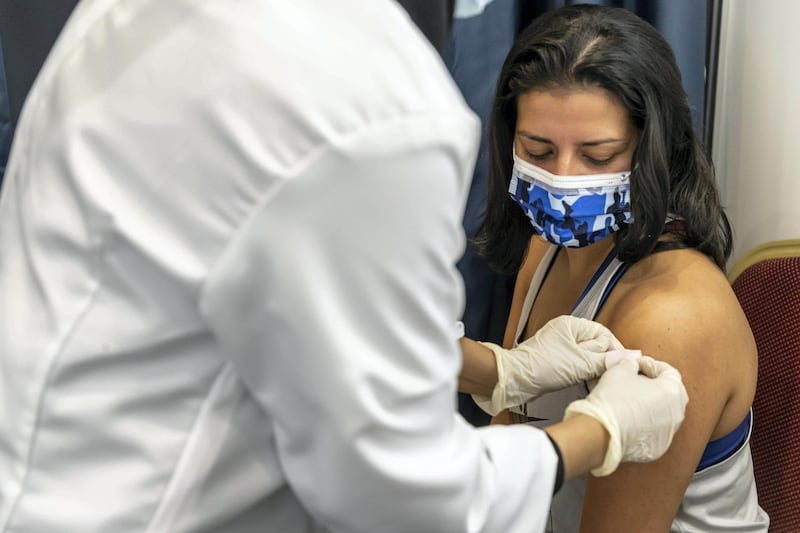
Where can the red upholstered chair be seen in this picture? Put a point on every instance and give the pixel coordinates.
(768, 287)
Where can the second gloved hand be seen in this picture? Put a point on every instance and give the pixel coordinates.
(641, 412)
(566, 351)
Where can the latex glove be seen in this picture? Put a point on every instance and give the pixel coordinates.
(641, 413)
(566, 351)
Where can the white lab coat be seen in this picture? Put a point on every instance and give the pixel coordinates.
(227, 282)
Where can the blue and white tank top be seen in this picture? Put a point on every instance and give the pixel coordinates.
(722, 494)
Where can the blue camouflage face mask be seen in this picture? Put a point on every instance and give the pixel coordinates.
(571, 211)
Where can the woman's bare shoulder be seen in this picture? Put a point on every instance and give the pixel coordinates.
(678, 301)
(678, 284)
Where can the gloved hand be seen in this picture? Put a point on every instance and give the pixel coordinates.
(641, 413)
(566, 351)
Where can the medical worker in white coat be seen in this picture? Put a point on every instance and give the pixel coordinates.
(227, 288)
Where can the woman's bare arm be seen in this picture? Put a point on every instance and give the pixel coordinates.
(692, 333)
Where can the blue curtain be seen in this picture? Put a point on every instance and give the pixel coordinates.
(5, 120)
(476, 51)
(28, 29)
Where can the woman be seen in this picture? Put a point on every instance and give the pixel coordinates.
(620, 222)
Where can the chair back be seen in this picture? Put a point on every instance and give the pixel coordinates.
(768, 289)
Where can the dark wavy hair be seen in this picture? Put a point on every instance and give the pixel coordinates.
(612, 48)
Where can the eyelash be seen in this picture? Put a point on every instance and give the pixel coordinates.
(599, 162)
(537, 157)
(592, 161)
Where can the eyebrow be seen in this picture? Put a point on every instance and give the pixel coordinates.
(597, 142)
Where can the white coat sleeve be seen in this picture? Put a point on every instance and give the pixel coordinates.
(335, 304)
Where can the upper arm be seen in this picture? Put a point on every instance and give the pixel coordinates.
(680, 329)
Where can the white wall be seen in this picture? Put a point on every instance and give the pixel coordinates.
(756, 146)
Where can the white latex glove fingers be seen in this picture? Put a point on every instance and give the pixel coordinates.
(664, 407)
(591, 337)
(641, 414)
(566, 351)
(653, 368)
(613, 357)
(585, 332)
(599, 347)
(605, 342)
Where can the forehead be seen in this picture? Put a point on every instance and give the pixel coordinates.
(573, 114)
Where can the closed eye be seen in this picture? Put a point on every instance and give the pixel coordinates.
(540, 156)
(599, 162)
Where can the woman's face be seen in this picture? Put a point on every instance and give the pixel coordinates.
(574, 132)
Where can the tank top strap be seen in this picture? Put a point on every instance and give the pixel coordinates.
(599, 287)
(533, 290)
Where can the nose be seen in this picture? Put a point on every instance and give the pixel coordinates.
(566, 164)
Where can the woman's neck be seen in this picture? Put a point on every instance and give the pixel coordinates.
(578, 261)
